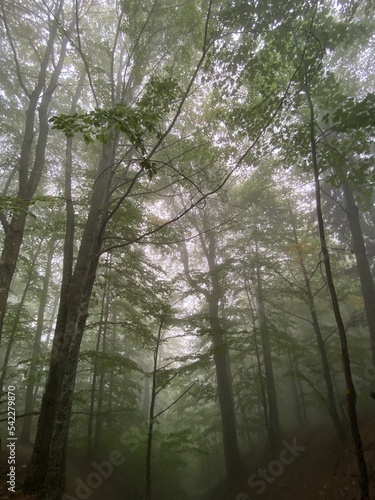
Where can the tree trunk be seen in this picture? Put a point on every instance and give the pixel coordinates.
(295, 391)
(363, 265)
(15, 325)
(151, 417)
(319, 337)
(29, 402)
(9, 257)
(67, 342)
(233, 462)
(351, 393)
(54, 463)
(300, 389)
(224, 385)
(259, 363)
(112, 369)
(103, 335)
(90, 442)
(273, 414)
(146, 396)
(73, 311)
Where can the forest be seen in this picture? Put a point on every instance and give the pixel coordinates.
(187, 298)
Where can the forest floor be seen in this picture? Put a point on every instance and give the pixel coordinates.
(321, 468)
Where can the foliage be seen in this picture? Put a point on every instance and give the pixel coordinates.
(213, 97)
(135, 122)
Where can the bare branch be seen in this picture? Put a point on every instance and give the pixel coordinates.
(14, 51)
(175, 401)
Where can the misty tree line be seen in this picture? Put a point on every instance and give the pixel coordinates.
(188, 230)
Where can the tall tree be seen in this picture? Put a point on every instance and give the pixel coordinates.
(214, 297)
(363, 265)
(273, 416)
(318, 332)
(136, 123)
(38, 93)
(351, 393)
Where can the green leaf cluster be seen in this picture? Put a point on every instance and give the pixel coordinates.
(135, 122)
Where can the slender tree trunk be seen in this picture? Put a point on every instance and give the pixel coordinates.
(100, 404)
(90, 443)
(103, 329)
(300, 389)
(9, 181)
(52, 320)
(233, 462)
(295, 391)
(152, 410)
(351, 393)
(146, 396)
(319, 337)
(112, 369)
(363, 265)
(273, 415)
(259, 363)
(245, 418)
(29, 402)
(15, 325)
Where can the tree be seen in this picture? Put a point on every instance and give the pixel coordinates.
(363, 265)
(318, 333)
(137, 123)
(38, 97)
(197, 163)
(351, 393)
(214, 296)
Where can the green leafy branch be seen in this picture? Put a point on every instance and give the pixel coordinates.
(16, 205)
(353, 115)
(133, 121)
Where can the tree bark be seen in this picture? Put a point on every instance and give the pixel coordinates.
(72, 315)
(146, 396)
(54, 462)
(363, 265)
